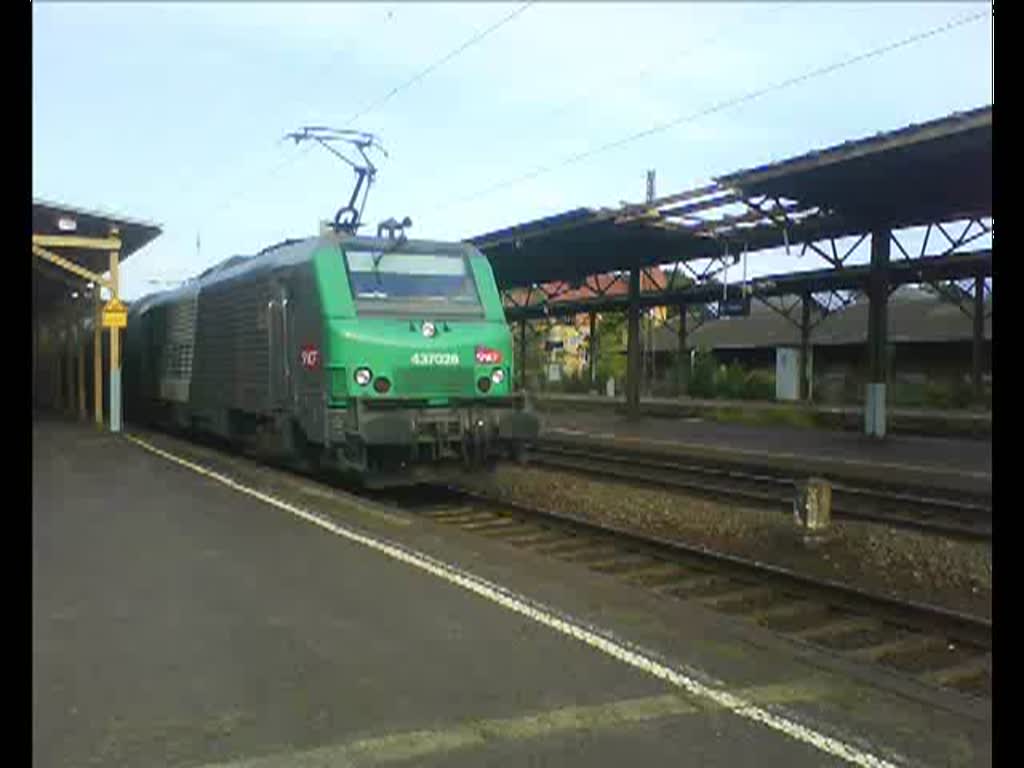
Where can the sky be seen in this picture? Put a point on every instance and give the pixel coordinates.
(176, 112)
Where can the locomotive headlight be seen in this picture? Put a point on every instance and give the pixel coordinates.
(363, 376)
(429, 329)
(498, 376)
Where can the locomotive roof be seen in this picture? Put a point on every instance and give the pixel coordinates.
(284, 254)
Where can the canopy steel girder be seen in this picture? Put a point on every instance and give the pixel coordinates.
(913, 176)
(792, 217)
(952, 266)
(77, 241)
(49, 271)
(964, 300)
(839, 261)
(70, 266)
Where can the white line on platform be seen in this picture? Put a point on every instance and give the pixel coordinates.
(407, 746)
(617, 649)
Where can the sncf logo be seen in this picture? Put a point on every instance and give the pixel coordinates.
(310, 357)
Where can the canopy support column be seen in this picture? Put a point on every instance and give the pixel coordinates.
(683, 364)
(97, 360)
(69, 366)
(80, 359)
(115, 346)
(522, 354)
(633, 344)
(979, 338)
(805, 347)
(878, 294)
(592, 350)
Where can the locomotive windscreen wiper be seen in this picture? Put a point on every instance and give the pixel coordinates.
(391, 225)
(402, 240)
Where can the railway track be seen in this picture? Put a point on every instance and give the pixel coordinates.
(958, 515)
(931, 644)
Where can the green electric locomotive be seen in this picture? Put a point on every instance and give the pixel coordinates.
(383, 357)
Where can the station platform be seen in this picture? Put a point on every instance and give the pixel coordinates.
(922, 422)
(949, 463)
(249, 618)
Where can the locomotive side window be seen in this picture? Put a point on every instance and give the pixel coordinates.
(413, 282)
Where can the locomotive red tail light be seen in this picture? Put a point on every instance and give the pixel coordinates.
(484, 383)
(488, 356)
(382, 385)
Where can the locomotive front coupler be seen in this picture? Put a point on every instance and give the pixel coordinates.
(478, 433)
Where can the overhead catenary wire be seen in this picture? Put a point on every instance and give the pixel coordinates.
(604, 89)
(444, 59)
(275, 170)
(248, 189)
(328, 62)
(717, 107)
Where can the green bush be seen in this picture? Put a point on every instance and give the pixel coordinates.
(611, 358)
(962, 394)
(576, 385)
(759, 385)
(664, 387)
(909, 394)
(730, 381)
(937, 394)
(708, 380)
(940, 393)
(785, 417)
(702, 375)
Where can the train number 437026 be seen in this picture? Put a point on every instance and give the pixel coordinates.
(434, 358)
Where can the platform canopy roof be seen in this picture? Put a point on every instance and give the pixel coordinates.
(935, 171)
(51, 283)
(930, 172)
(580, 242)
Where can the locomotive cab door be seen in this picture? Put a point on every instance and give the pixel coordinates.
(279, 360)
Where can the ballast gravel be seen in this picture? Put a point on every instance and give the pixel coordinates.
(933, 569)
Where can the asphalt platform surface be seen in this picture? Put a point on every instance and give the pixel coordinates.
(178, 621)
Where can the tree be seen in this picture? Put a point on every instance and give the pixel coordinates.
(611, 358)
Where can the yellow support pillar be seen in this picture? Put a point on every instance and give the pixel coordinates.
(54, 357)
(83, 414)
(58, 367)
(115, 347)
(69, 370)
(50, 369)
(97, 360)
(35, 362)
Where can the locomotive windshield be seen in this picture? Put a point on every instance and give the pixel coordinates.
(415, 282)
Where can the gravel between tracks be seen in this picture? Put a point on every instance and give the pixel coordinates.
(904, 564)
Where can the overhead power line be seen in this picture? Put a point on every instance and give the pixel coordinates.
(603, 88)
(275, 170)
(248, 189)
(289, 101)
(444, 59)
(719, 107)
